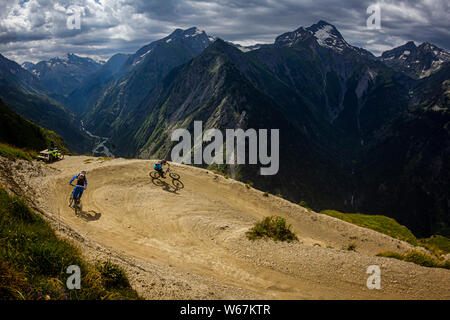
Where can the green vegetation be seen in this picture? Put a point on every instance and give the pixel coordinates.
(351, 247)
(33, 261)
(417, 257)
(280, 195)
(436, 244)
(13, 153)
(378, 223)
(304, 205)
(103, 159)
(266, 194)
(113, 276)
(21, 133)
(273, 227)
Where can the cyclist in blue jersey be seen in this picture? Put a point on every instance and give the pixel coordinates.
(80, 186)
(158, 166)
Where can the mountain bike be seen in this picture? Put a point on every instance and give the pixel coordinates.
(77, 205)
(157, 174)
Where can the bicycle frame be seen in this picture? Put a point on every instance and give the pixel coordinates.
(71, 194)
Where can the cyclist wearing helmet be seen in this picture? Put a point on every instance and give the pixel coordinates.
(80, 186)
(158, 166)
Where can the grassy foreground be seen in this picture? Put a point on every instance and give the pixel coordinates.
(34, 261)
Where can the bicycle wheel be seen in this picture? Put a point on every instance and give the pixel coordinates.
(177, 184)
(174, 175)
(155, 174)
(70, 200)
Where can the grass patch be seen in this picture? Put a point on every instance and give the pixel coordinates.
(437, 244)
(33, 260)
(103, 159)
(417, 257)
(223, 174)
(113, 276)
(272, 227)
(378, 223)
(14, 153)
(265, 194)
(304, 205)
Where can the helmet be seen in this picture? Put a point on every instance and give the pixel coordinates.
(83, 172)
(164, 161)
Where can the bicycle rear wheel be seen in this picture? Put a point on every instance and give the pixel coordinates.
(155, 174)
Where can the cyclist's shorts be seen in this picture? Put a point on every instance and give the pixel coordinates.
(77, 192)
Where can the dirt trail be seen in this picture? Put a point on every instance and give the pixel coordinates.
(190, 242)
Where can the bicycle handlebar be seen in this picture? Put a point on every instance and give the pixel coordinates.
(84, 187)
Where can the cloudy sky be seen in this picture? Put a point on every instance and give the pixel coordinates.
(34, 30)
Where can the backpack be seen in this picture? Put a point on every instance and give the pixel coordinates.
(80, 180)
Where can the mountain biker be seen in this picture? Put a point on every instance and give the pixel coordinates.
(80, 186)
(158, 166)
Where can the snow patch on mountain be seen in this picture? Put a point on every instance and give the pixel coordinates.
(325, 38)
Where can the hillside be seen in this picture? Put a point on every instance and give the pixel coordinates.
(25, 94)
(19, 132)
(189, 242)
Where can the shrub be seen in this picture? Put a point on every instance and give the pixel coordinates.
(280, 195)
(421, 258)
(304, 205)
(390, 254)
(437, 244)
(266, 194)
(113, 276)
(273, 227)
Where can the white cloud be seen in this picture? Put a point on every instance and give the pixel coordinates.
(36, 29)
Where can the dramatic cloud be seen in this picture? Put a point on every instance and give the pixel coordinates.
(37, 29)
